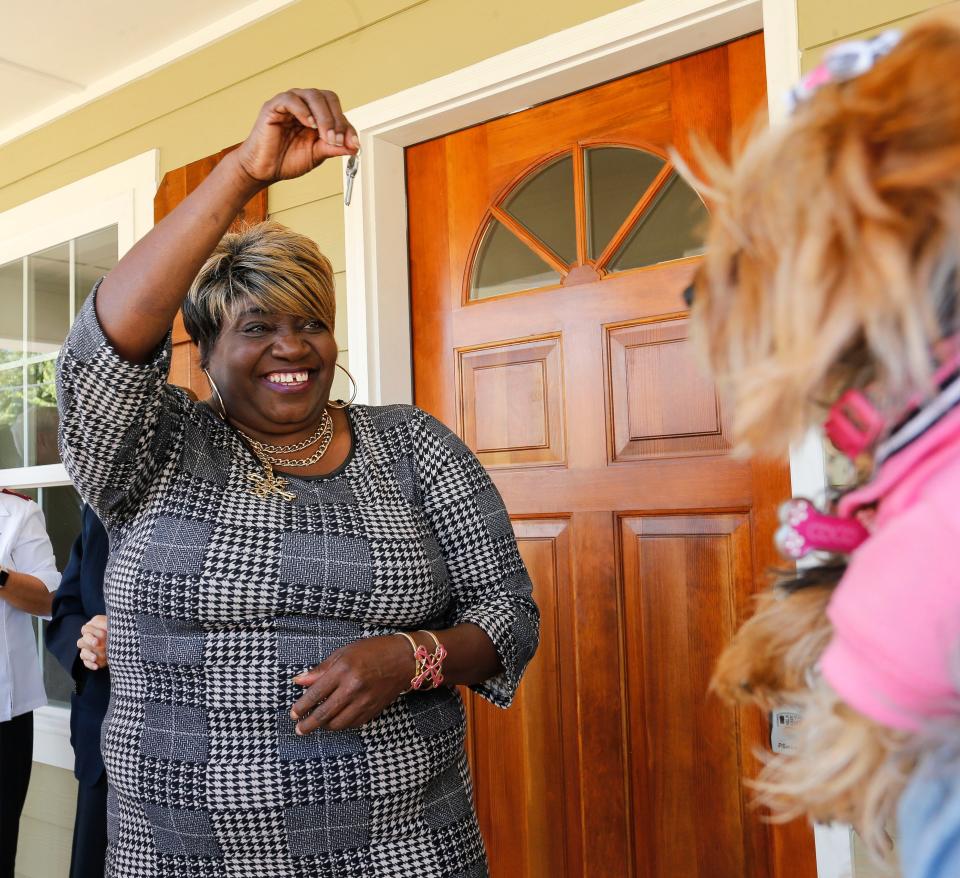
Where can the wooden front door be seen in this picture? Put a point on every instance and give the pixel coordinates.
(548, 251)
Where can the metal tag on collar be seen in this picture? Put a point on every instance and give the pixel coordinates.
(353, 165)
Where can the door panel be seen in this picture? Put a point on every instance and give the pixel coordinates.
(661, 403)
(511, 402)
(529, 737)
(682, 576)
(574, 382)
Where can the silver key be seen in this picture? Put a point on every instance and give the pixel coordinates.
(353, 165)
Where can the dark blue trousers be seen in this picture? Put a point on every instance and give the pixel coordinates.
(90, 831)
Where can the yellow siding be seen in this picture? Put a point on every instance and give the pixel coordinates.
(194, 107)
(825, 22)
(322, 220)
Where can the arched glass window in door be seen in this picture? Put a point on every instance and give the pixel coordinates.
(583, 215)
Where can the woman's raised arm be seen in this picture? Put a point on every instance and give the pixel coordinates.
(295, 132)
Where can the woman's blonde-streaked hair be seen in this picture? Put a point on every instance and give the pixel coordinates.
(266, 265)
(833, 244)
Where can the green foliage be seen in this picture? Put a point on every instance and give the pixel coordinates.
(40, 393)
(42, 387)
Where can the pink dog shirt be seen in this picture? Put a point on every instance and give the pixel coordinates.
(895, 654)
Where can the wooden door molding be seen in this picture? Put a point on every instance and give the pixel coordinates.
(511, 410)
(175, 186)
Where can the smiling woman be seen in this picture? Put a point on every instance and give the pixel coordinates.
(292, 581)
(262, 312)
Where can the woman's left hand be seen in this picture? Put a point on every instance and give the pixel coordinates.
(354, 684)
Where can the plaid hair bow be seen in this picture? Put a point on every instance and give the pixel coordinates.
(844, 61)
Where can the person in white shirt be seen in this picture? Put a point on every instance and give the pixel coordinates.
(28, 575)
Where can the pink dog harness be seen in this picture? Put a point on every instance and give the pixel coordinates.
(896, 613)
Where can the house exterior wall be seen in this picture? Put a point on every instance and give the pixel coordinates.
(821, 23)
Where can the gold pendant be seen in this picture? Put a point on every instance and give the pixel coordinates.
(263, 486)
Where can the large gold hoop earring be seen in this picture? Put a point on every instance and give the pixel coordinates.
(222, 408)
(340, 404)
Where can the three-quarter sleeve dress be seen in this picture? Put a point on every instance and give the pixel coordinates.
(217, 598)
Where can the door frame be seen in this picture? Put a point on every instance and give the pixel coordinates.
(638, 36)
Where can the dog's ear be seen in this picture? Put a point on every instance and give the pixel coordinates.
(830, 241)
(774, 652)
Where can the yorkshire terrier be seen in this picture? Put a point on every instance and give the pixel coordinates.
(828, 292)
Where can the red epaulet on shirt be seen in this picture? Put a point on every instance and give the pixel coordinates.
(15, 494)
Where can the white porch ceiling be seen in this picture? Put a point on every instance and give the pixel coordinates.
(56, 55)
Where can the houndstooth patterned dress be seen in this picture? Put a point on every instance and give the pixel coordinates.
(217, 598)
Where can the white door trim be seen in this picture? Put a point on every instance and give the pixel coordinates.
(636, 37)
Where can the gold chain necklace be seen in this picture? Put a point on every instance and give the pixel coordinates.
(324, 436)
(263, 486)
(326, 424)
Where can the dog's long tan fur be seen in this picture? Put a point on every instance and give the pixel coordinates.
(774, 653)
(832, 264)
(846, 768)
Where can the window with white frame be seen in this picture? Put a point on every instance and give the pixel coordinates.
(41, 293)
(52, 250)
